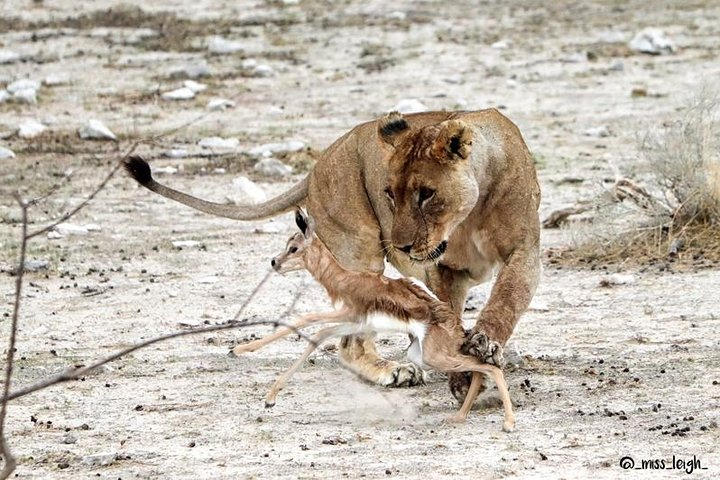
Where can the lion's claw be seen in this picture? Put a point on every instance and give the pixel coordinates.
(488, 351)
(407, 375)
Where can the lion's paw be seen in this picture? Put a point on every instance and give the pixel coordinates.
(405, 375)
(489, 351)
(459, 383)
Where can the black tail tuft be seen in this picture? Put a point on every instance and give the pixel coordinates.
(139, 169)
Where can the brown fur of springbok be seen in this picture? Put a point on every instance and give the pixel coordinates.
(372, 303)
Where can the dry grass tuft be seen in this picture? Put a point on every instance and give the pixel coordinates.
(676, 218)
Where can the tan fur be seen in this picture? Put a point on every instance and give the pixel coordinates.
(363, 293)
(485, 204)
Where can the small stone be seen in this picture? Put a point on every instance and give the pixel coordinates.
(65, 229)
(8, 56)
(334, 440)
(598, 132)
(263, 71)
(652, 41)
(196, 87)
(169, 170)
(179, 94)
(96, 130)
(6, 153)
(4, 96)
(99, 460)
(40, 331)
(269, 228)
(53, 235)
(176, 153)
(56, 79)
(185, 243)
(268, 149)
(36, 265)
(220, 45)
(220, 104)
(409, 105)
(193, 70)
(93, 227)
(499, 45)
(617, 279)
(208, 280)
(219, 143)
(189, 323)
(23, 84)
(273, 167)
(26, 95)
(247, 191)
(30, 128)
(69, 439)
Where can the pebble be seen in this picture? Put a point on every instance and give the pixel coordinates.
(99, 460)
(409, 105)
(268, 149)
(208, 280)
(191, 70)
(166, 170)
(30, 128)
(27, 95)
(185, 243)
(263, 71)
(273, 167)
(499, 45)
(6, 153)
(8, 56)
(69, 439)
(247, 191)
(220, 104)
(176, 153)
(93, 227)
(538, 306)
(219, 143)
(41, 330)
(183, 93)
(652, 41)
(4, 96)
(96, 130)
(598, 132)
(618, 279)
(23, 84)
(269, 227)
(36, 265)
(70, 229)
(221, 46)
(196, 87)
(189, 323)
(53, 235)
(56, 79)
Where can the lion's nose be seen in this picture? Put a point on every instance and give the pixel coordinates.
(405, 248)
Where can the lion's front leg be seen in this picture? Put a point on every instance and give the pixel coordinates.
(360, 354)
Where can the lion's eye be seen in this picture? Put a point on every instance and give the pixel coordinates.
(292, 250)
(390, 196)
(425, 194)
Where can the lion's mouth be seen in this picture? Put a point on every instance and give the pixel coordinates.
(433, 255)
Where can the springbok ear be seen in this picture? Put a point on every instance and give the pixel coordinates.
(454, 142)
(301, 221)
(392, 128)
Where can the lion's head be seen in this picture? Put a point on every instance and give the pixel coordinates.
(431, 185)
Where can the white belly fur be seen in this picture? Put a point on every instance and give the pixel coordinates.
(384, 323)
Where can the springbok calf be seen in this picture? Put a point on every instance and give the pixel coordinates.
(372, 302)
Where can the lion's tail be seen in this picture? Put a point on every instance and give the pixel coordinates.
(286, 201)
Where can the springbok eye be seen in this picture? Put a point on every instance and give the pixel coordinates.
(292, 249)
(425, 194)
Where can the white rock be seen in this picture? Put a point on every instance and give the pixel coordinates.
(612, 36)
(269, 227)
(220, 104)
(538, 306)
(248, 191)
(6, 153)
(397, 15)
(221, 45)
(172, 293)
(273, 167)
(26, 95)
(93, 227)
(41, 330)
(189, 323)
(409, 105)
(23, 84)
(99, 460)
(70, 229)
(36, 265)
(500, 45)
(196, 87)
(185, 243)
(30, 128)
(269, 149)
(53, 235)
(598, 132)
(263, 71)
(8, 56)
(219, 143)
(176, 153)
(167, 170)
(4, 96)
(193, 70)
(96, 130)
(208, 280)
(219, 170)
(183, 93)
(652, 41)
(249, 63)
(618, 279)
(56, 79)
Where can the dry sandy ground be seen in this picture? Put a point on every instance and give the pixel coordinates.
(603, 373)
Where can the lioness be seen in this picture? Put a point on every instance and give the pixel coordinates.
(447, 197)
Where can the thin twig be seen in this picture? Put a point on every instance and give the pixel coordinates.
(82, 204)
(8, 458)
(65, 179)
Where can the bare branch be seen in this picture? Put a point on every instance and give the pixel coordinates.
(65, 179)
(8, 459)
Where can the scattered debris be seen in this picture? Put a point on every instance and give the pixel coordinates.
(652, 41)
(272, 167)
(96, 130)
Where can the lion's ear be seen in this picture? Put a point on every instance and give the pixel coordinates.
(454, 142)
(392, 128)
